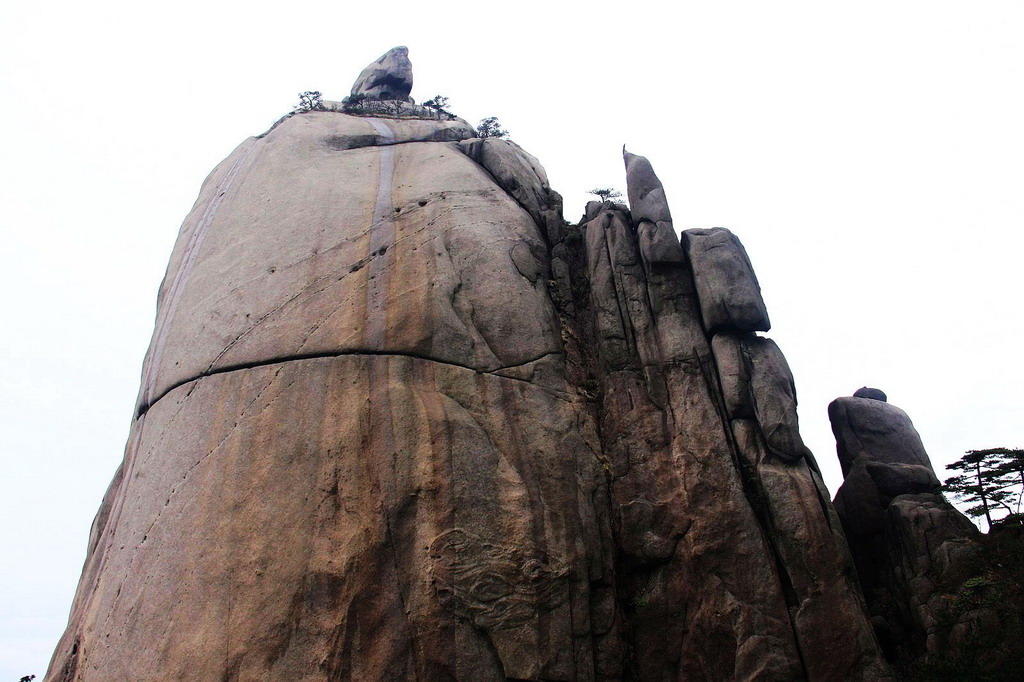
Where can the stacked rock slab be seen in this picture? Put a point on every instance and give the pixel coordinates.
(399, 421)
(907, 540)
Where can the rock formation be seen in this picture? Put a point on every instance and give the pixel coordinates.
(398, 420)
(912, 548)
(388, 78)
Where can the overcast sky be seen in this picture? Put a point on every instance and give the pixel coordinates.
(870, 155)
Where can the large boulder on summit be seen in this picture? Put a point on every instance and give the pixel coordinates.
(881, 455)
(398, 420)
(388, 78)
(875, 431)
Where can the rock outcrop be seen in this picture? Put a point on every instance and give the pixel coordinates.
(912, 548)
(398, 420)
(388, 78)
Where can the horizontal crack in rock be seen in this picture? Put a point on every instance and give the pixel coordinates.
(344, 353)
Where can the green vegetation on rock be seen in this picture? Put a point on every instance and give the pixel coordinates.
(991, 481)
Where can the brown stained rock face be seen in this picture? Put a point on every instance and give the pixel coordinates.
(392, 535)
(399, 421)
(295, 256)
(819, 579)
(733, 367)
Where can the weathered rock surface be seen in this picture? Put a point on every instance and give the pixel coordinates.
(393, 536)
(649, 208)
(774, 398)
(388, 78)
(299, 260)
(909, 544)
(730, 296)
(521, 175)
(399, 421)
(876, 432)
(691, 496)
(733, 365)
(647, 200)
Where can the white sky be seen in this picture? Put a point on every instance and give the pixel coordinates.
(870, 155)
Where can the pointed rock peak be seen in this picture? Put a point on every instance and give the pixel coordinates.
(646, 194)
(388, 78)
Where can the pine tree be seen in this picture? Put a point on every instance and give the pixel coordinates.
(490, 127)
(606, 193)
(310, 100)
(990, 479)
(1011, 462)
(439, 103)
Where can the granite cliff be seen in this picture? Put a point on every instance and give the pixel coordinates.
(399, 420)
